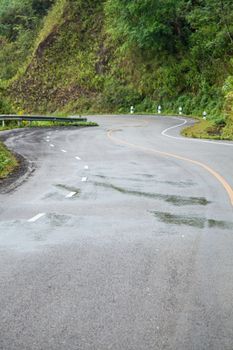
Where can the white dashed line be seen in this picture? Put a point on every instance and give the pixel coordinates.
(86, 167)
(37, 217)
(71, 194)
(77, 158)
(84, 179)
(63, 150)
(51, 145)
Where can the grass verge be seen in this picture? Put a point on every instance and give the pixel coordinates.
(43, 124)
(206, 129)
(8, 162)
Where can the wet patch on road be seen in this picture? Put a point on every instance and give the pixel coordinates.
(58, 196)
(58, 220)
(118, 178)
(69, 189)
(184, 184)
(180, 184)
(173, 199)
(196, 222)
(53, 229)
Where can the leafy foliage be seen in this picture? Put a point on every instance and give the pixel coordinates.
(104, 55)
(7, 162)
(19, 23)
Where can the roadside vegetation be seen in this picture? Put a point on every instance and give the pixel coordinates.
(102, 56)
(9, 125)
(206, 130)
(8, 162)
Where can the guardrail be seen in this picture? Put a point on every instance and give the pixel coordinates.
(31, 118)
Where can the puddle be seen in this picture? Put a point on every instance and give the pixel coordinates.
(197, 222)
(173, 199)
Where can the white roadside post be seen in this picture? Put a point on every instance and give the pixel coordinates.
(180, 110)
(204, 115)
(132, 110)
(159, 109)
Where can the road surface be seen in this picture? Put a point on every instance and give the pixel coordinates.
(121, 238)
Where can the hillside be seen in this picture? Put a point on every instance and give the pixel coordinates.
(103, 56)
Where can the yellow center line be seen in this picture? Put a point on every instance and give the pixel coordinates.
(219, 177)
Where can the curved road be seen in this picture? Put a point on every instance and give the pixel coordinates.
(120, 239)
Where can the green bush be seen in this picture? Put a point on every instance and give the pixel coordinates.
(7, 161)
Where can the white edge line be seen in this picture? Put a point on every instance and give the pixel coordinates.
(71, 194)
(164, 133)
(77, 158)
(63, 150)
(51, 145)
(37, 217)
(174, 127)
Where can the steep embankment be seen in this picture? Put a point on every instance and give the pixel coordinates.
(65, 62)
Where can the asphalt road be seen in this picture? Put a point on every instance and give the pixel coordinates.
(121, 238)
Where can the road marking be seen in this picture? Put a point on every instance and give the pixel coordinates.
(86, 167)
(51, 145)
(77, 158)
(219, 177)
(63, 150)
(84, 179)
(47, 140)
(164, 133)
(174, 127)
(37, 217)
(71, 194)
